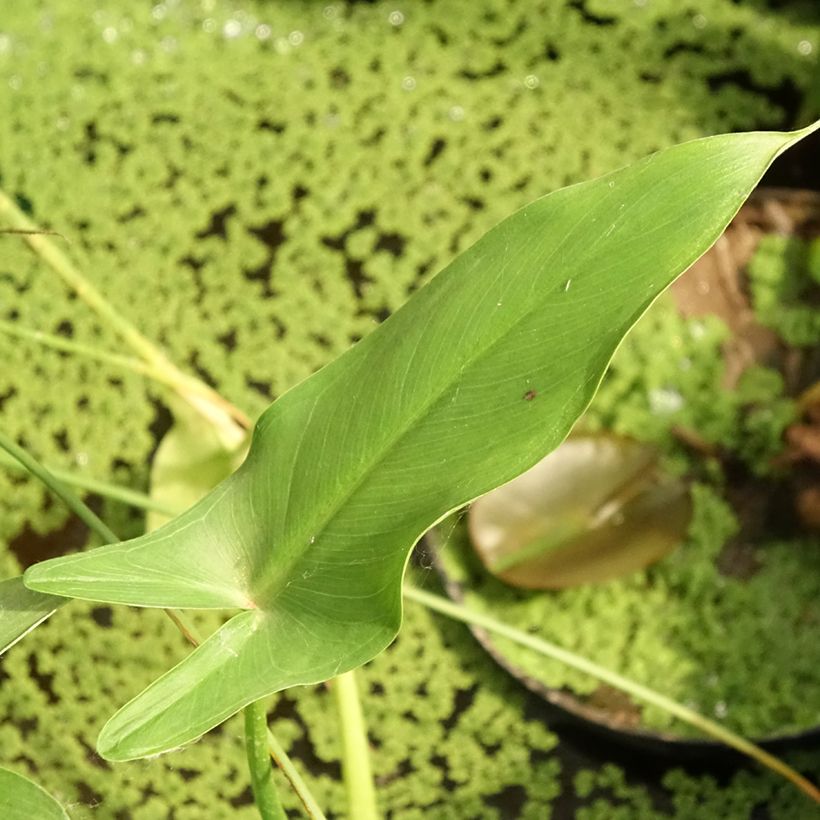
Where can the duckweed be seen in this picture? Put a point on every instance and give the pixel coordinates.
(259, 185)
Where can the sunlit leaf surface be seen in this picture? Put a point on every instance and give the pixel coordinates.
(21, 799)
(596, 508)
(481, 374)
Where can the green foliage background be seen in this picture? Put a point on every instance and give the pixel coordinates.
(258, 184)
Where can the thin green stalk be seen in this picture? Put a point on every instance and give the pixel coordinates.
(64, 345)
(188, 632)
(637, 690)
(256, 748)
(280, 757)
(194, 387)
(67, 271)
(22, 232)
(125, 495)
(72, 501)
(361, 793)
(200, 396)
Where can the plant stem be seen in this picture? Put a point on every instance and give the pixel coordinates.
(67, 496)
(280, 757)
(637, 690)
(78, 349)
(194, 387)
(22, 232)
(256, 748)
(228, 419)
(361, 793)
(125, 495)
(187, 631)
(63, 266)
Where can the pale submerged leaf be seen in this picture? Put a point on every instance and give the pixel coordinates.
(594, 509)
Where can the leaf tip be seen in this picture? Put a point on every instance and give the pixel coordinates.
(39, 578)
(116, 746)
(807, 131)
(113, 743)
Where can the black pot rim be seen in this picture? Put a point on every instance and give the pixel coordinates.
(596, 719)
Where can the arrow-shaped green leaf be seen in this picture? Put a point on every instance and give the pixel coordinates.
(475, 379)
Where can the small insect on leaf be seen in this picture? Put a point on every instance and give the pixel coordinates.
(530, 395)
(596, 508)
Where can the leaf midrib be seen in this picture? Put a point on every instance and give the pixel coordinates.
(381, 455)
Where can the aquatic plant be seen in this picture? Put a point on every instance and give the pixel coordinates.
(475, 378)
